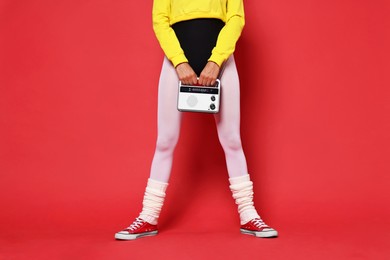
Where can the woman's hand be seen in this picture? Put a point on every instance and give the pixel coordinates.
(209, 74)
(186, 74)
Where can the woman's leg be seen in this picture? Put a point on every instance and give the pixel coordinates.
(168, 123)
(228, 121)
(228, 125)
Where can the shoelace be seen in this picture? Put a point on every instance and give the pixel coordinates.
(136, 224)
(258, 222)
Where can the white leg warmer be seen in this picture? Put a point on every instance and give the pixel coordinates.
(153, 201)
(242, 189)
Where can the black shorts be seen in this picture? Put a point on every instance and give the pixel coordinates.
(197, 38)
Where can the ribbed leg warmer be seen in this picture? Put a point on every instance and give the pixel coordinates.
(153, 201)
(241, 187)
(242, 190)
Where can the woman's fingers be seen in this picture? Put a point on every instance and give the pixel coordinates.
(209, 74)
(186, 74)
(207, 78)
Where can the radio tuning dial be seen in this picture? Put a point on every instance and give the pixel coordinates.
(212, 106)
(212, 98)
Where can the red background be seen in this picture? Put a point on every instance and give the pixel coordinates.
(78, 106)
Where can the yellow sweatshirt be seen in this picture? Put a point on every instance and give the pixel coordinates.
(167, 12)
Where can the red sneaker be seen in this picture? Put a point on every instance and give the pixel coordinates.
(139, 228)
(258, 228)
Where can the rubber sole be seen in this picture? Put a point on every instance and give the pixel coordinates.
(123, 236)
(267, 233)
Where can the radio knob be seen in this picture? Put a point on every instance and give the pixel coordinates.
(212, 98)
(212, 106)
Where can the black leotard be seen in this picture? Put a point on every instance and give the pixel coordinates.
(197, 38)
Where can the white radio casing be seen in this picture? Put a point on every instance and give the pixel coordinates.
(196, 98)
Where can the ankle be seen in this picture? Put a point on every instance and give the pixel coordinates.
(150, 219)
(248, 215)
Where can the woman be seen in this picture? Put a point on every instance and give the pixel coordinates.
(198, 37)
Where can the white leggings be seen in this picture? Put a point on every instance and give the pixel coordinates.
(169, 121)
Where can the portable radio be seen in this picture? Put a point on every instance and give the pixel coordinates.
(196, 98)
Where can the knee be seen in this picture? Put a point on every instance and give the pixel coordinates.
(166, 143)
(230, 142)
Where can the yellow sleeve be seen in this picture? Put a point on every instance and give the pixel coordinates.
(228, 37)
(165, 34)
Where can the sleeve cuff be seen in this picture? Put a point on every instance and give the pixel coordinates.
(178, 59)
(218, 59)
